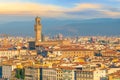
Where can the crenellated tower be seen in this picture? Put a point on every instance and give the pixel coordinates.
(38, 31)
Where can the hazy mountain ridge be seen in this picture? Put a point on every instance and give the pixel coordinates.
(66, 27)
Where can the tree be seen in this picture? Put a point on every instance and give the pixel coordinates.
(20, 73)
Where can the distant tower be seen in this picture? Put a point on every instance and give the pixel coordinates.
(38, 30)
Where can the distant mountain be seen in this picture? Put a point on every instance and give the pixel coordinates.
(66, 27)
(17, 28)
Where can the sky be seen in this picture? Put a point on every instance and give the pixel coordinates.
(15, 10)
(57, 15)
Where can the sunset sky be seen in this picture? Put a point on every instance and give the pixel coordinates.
(62, 9)
(60, 16)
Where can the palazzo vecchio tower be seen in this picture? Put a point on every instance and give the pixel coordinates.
(38, 31)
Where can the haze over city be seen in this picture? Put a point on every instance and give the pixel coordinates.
(75, 17)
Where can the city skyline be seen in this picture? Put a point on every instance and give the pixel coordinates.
(59, 40)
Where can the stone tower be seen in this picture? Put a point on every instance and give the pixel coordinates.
(38, 30)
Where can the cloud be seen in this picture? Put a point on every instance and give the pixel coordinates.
(94, 11)
(85, 6)
(85, 10)
(82, 10)
(111, 13)
(29, 9)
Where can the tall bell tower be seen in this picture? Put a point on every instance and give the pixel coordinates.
(38, 30)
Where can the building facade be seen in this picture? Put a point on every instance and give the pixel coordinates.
(77, 53)
(32, 73)
(68, 74)
(84, 75)
(7, 71)
(49, 74)
(59, 74)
